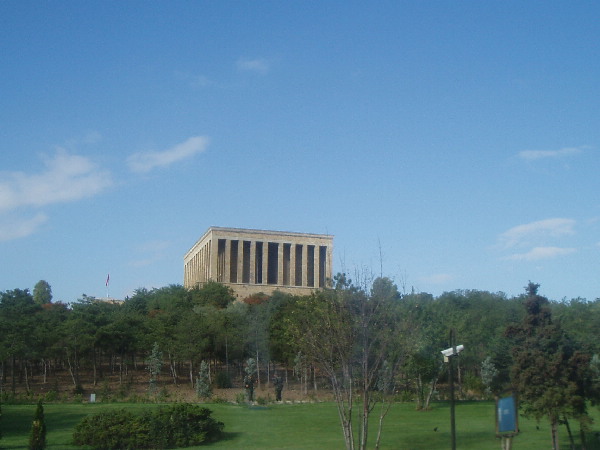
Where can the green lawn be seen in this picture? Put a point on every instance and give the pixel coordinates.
(307, 426)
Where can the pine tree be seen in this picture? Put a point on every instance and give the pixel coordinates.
(154, 365)
(203, 387)
(546, 370)
(37, 438)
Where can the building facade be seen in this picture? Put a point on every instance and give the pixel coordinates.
(253, 261)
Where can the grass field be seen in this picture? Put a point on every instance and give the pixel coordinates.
(307, 426)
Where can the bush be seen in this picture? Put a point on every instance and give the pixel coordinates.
(179, 425)
(264, 400)
(51, 396)
(110, 430)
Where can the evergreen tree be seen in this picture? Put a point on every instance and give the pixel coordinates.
(546, 369)
(488, 375)
(250, 378)
(37, 438)
(203, 387)
(154, 362)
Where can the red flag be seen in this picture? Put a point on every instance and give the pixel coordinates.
(107, 279)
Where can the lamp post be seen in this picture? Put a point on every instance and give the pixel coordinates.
(449, 355)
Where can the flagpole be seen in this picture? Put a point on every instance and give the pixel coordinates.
(107, 285)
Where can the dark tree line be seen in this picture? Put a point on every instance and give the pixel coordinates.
(349, 334)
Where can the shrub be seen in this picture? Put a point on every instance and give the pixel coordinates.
(51, 396)
(240, 398)
(105, 392)
(110, 430)
(179, 425)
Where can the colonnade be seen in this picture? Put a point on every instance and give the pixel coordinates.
(236, 256)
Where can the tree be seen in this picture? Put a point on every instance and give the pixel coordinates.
(203, 387)
(37, 438)
(249, 379)
(214, 294)
(488, 375)
(346, 332)
(42, 293)
(17, 321)
(547, 371)
(154, 362)
(422, 335)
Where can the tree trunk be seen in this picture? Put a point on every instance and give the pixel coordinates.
(385, 408)
(582, 438)
(257, 369)
(94, 368)
(26, 378)
(173, 369)
(343, 397)
(121, 370)
(420, 393)
(71, 371)
(226, 357)
(554, 431)
(12, 374)
(364, 423)
(430, 394)
(571, 440)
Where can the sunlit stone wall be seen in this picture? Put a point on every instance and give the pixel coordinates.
(252, 261)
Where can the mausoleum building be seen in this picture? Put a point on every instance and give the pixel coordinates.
(253, 261)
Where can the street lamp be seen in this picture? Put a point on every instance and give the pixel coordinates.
(449, 355)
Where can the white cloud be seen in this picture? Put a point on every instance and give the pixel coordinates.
(146, 161)
(20, 228)
(532, 155)
(194, 81)
(521, 234)
(200, 81)
(438, 278)
(90, 138)
(66, 178)
(538, 253)
(258, 65)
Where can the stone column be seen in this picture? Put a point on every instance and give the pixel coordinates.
(240, 261)
(213, 251)
(265, 263)
(317, 266)
(252, 262)
(329, 271)
(280, 263)
(227, 269)
(293, 264)
(304, 265)
(202, 264)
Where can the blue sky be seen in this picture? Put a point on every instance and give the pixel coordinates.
(458, 140)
